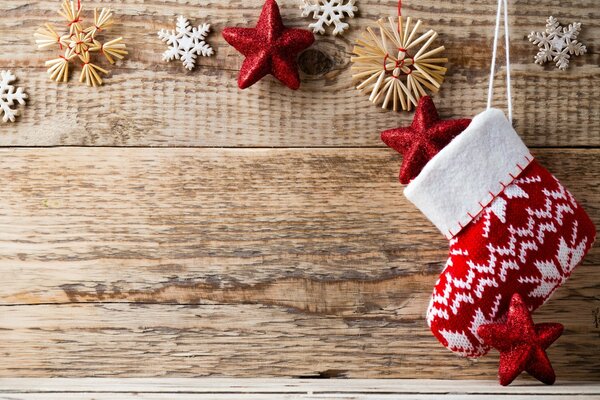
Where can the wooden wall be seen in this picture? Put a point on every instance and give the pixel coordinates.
(168, 224)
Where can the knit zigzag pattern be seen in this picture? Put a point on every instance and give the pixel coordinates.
(527, 241)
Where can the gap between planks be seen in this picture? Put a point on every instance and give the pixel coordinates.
(266, 389)
(341, 147)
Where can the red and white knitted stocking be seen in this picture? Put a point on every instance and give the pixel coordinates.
(513, 228)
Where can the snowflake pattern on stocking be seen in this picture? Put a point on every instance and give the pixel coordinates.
(9, 96)
(550, 278)
(498, 206)
(557, 43)
(186, 43)
(328, 12)
(528, 240)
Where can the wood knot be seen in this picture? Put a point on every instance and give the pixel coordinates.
(315, 62)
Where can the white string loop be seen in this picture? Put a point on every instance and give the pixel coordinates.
(501, 3)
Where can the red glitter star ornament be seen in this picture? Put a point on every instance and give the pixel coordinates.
(522, 344)
(269, 48)
(423, 139)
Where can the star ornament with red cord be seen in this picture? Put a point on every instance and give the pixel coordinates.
(522, 345)
(423, 139)
(269, 48)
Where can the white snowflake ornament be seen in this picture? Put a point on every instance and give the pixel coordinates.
(328, 12)
(186, 42)
(9, 96)
(557, 43)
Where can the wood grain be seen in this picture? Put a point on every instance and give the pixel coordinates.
(162, 254)
(241, 262)
(271, 389)
(147, 102)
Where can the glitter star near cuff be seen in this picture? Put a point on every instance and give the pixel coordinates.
(521, 344)
(423, 139)
(269, 48)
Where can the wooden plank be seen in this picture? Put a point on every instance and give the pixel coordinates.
(195, 262)
(278, 396)
(250, 340)
(147, 217)
(150, 103)
(232, 215)
(248, 389)
(281, 385)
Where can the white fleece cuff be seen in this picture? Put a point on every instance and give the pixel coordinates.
(463, 178)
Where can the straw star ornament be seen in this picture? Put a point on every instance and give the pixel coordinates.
(396, 66)
(79, 44)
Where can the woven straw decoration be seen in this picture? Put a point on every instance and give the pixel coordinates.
(396, 66)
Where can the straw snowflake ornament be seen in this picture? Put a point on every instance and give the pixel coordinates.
(79, 44)
(396, 66)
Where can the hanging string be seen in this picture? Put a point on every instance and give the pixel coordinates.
(399, 15)
(507, 46)
(494, 54)
(501, 3)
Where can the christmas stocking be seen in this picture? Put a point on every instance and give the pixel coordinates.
(512, 227)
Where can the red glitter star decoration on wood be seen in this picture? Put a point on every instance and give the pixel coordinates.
(521, 344)
(423, 139)
(270, 48)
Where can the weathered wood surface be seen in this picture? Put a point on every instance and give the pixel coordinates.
(133, 260)
(147, 102)
(271, 389)
(241, 262)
